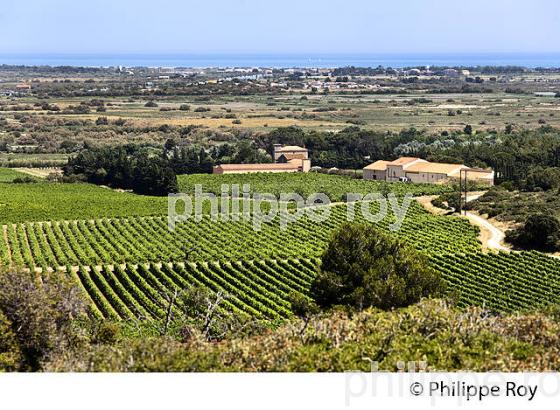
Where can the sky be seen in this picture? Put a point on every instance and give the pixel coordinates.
(273, 27)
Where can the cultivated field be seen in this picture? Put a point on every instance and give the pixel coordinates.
(118, 248)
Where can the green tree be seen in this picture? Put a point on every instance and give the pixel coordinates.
(540, 231)
(543, 178)
(154, 176)
(364, 267)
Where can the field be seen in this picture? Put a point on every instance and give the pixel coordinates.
(335, 187)
(8, 175)
(32, 160)
(44, 201)
(433, 112)
(117, 246)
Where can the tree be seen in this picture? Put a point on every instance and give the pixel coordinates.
(126, 167)
(468, 129)
(154, 176)
(201, 312)
(543, 178)
(364, 267)
(540, 231)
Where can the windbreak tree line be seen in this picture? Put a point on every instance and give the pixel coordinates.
(124, 167)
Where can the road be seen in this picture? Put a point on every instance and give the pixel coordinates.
(496, 235)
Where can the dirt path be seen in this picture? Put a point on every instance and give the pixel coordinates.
(491, 236)
(39, 172)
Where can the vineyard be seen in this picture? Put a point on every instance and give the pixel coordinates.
(8, 175)
(502, 281)
(119, 249)
(261, 288)
(44, 201)
(334, 186)
(254, 288)
(141, 239)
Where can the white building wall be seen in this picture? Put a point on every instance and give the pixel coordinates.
(374, 175)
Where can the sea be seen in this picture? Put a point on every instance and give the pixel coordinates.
(394, 60)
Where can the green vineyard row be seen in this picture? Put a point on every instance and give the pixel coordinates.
(140, 239)
(261, 288)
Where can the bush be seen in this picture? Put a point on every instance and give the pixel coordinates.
(446, 338)
(540, 231)
(24, 180)
(150, 104)
(10, 354)
(102, 121)
(201, 109)
(41, 316)
(185, 107)
(364, 267)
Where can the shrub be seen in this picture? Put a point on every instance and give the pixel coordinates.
(10, 354)
(540, 231)
(337, 342)
(364, 267)
(24, 180)
(150, 104)
(102, 121)
(41, 316)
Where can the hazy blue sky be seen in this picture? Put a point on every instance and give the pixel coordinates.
(289, 26)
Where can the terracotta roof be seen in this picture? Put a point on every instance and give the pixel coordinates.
(378, 165)
(436, 168)
(404, 160)
(290, 148)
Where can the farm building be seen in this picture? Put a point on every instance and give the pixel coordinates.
(284, 153)
(289, 158)
(421, 171)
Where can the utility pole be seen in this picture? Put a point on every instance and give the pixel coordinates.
(463, 190)
(460, 191)
(466, 189)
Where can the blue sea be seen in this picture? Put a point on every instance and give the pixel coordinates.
(528, 60)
